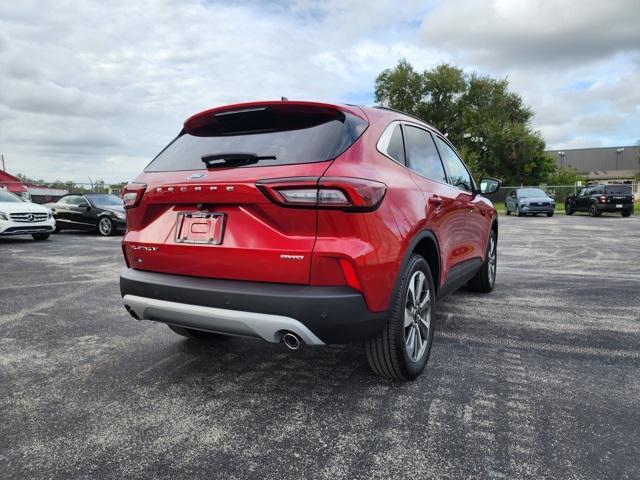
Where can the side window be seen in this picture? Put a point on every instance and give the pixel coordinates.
(459, 174)
(422, 155)
(395, 149)
(72, 200)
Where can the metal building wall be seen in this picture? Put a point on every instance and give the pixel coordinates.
(587, 160)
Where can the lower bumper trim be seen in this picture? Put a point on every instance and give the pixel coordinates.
(26, 230)
(219, 320)
(335, 314)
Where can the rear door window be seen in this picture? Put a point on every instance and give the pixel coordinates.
(618, 189)
(72, 200)
(291, 136)
(422, 155)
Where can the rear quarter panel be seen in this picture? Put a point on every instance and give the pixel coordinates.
(377, 241)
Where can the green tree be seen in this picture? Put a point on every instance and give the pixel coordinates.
(564, 176)
(400, 88)
(489, 124)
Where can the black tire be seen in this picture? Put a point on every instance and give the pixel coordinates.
(194, 334)
(485, 278)
(520, 214)
(550, 214)
(568, 210)
(105, 226)
(626, 213)
(40, 236)
(57, 229)
(387, 352)
(507, 211)
(593, 210)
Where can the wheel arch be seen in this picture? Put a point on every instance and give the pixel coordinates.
(424, 243)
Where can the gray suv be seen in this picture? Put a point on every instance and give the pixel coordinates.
(525, 201)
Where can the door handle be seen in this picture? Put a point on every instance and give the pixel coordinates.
(435, 200)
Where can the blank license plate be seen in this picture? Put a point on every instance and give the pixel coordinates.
(200, 227)
(618, 205)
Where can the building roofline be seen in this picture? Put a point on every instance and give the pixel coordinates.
(591, 148)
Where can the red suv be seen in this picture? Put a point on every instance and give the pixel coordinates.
(302, 222)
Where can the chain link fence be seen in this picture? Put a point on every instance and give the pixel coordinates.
(558, 192)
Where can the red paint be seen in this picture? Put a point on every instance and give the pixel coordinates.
(266, 240)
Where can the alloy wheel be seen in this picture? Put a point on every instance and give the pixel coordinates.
(417, 316)
(492, 257)
(104, 226)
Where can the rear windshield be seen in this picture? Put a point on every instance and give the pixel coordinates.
(321, 139)
(618, 189)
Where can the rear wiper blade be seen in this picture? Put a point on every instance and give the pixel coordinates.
(233, 159)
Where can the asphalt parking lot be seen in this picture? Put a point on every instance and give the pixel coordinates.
(540, 379)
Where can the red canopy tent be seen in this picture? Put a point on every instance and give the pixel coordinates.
(13, 184)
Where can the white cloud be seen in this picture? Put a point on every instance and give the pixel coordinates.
(548, 49)
(97, 88)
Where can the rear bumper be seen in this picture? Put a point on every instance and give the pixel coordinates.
(611, 207)
(319, 315)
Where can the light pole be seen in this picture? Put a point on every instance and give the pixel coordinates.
(561, 159)
(618, 153)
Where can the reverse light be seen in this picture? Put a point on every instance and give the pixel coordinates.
(342, 193)
(132, 194)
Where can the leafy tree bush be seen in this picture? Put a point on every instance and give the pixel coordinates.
(490, 125)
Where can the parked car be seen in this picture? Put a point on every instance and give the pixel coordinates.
(523, 201)
(20, 217)
(597, 199)
(98, 212)
(302, 222)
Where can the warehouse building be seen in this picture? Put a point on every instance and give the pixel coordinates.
(603, 165)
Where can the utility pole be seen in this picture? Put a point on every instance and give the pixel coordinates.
(3, 169)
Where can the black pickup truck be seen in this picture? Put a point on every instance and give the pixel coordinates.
(596, 199)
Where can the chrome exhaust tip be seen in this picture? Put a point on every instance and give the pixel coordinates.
(291, 340)
(132, 312)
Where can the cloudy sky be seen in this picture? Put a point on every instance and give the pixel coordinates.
(95, 89)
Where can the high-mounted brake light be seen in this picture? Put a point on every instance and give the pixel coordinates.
(342, 193)
(132, 194)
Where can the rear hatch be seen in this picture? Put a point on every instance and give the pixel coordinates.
(618, 194)
(201, 211)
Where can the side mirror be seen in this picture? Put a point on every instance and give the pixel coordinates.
(85, 206)
(489, 185)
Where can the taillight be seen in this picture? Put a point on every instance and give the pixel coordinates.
(603, 199)
(132, 194)
(342, 193)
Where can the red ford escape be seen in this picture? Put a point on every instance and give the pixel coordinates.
(303, 222)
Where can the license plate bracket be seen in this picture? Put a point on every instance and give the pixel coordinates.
(205, 228)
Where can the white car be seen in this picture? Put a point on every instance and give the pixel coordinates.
(19, 217)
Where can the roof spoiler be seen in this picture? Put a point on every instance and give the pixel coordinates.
(263, 117)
